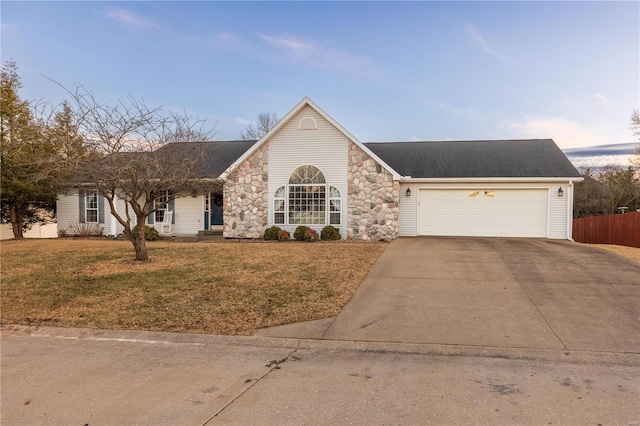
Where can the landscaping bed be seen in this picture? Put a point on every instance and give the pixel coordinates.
(219, 288)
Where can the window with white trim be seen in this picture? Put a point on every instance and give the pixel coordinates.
(279, 198)
(335, 203)
(162, 203)
(307, 200)
(91, 207)
(307, 196)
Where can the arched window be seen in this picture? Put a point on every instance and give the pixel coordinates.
(307, 196)
(306, 175)
(307, 200)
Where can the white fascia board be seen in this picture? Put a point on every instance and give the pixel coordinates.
(284, 120)
(491, 179)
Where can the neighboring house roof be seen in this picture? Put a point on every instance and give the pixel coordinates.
(537, 158)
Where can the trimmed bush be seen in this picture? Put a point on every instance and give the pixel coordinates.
(311, 235)
(284, 235)
(150, 233)
(330, 233)
(298, 234)
(271, 233)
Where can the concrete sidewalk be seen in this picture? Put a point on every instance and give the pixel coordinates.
(53, 376)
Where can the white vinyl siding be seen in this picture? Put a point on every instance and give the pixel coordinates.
(558, 212)
(67, 211)
(325, 148)
(408, 210)
(188, 215)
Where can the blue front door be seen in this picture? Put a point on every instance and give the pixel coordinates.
(216, 208)
(213, 210)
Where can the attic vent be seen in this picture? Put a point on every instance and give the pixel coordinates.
(307, 123)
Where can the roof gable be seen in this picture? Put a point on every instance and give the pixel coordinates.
(538, 158)
(291, 114)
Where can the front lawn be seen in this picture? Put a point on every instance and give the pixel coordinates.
(219, 288)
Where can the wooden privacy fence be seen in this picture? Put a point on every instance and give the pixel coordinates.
(620, 229)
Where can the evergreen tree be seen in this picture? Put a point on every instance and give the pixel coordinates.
(33, 152)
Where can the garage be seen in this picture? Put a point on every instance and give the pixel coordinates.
(484, 212)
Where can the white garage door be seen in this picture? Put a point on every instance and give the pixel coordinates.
(484, 213)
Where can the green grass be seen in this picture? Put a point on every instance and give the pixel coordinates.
(221, 288)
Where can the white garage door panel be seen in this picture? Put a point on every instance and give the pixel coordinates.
(510, 213)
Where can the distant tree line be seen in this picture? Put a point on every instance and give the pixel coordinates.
(605, 191)
(611, 189)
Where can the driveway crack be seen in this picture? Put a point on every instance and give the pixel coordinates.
(529, 297)
(274, 365)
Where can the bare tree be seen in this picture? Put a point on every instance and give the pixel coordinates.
(635, 126)
(603, 191)
(265, 122)
(140, 155)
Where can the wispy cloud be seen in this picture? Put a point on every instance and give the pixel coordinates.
(318, 55)
(475, 35)
(8, 31)
(566, 133)
(467, 113)
(241, 121)
(129, 18)
(601, 99)
(221, 40)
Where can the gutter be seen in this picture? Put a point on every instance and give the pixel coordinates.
(409, 179)
(570, 189)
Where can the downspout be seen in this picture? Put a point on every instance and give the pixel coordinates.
(570, 211)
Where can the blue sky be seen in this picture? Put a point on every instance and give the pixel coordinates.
(387, 71)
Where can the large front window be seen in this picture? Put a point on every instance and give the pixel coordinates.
(307, 200)
(307, 204)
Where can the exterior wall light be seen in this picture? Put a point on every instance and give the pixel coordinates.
(560, 192)
(408, 192)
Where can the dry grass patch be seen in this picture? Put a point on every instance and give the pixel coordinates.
(220, 288)
(632, 253)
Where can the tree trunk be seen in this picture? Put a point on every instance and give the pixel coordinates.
(139, 243)
(15, 216)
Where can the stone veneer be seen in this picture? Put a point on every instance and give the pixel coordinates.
(373, 199)
(246, 196)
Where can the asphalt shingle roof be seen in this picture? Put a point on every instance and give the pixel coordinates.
(216, 156)
(475, 159)
(444, 159)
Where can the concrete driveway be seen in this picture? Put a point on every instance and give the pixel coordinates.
(510, 293)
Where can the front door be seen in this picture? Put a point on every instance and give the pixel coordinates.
(212, 210)
(216, 208)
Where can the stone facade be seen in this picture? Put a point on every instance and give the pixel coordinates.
(246, 197)
(373, 196)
